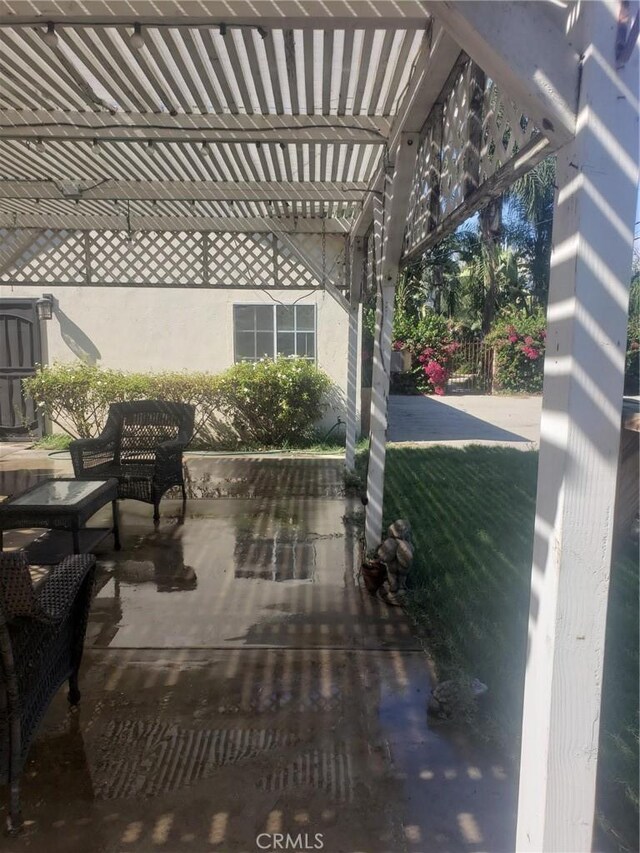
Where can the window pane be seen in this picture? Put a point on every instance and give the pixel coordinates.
(245, 346)
(264, 345)
(285, 315)
(306, 345)
(244, 317)
(264, 319)
(286, 343)
(305, 318)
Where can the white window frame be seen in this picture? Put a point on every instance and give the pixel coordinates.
(274, 308)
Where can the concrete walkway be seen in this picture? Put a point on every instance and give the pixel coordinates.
(237, 680)
(462, 419)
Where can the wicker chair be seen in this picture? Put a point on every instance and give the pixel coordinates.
(42, 634)
(141, 445)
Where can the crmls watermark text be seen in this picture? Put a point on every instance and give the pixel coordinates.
(285, 841)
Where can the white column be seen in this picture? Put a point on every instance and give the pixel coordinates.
(355, 267)
(352, 389)
(389, 220)
(379, 402)
(580, 431)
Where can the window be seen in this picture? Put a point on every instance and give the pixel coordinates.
(264, 330)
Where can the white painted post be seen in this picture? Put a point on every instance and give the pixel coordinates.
(379, 403)
(580, 432)
(389, 219)
(355, 264)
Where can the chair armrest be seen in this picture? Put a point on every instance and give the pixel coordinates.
(171, 448)
(87, 453)
(169, 458)
(58, 591)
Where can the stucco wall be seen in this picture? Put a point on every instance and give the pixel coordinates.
(134, 328)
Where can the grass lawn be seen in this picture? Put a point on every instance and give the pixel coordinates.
(472, 513)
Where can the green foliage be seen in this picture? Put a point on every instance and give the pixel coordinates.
(427, 329)
(470, 274)
(76, 396)
(519, 341)
(57, 441)
(273, 403)
(532, 197)
(632, 365)
(268, 404)
(470, 594)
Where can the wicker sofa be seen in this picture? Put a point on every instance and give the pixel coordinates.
(141, 445)
(42, 634)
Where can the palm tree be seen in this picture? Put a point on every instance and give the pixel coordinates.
(532, 196)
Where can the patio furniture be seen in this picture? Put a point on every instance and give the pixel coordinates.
(141, 446)
(42, 632)
(63, 506)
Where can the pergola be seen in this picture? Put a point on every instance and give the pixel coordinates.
(299, 143)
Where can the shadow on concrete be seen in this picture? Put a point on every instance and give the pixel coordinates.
(425, 419)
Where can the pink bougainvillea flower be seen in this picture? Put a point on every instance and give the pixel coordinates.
(513, 338)
(436, 374)
(439, 390)
(531, 352)
(398, 345)
(528, 340)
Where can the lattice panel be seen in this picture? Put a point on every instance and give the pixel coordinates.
(505, 130)
(241, 260)
(146, 257)
(12, 244)
(164, 258)
(52, 256)
(455, 124)
(474, 132)
(292, 272)
(422, 212)
(332, 257)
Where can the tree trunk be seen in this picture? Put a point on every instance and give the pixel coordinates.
(490, 229)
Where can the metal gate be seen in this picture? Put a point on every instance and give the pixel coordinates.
(20, 352)
(471, 368)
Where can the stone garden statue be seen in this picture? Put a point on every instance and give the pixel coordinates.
(396, 552)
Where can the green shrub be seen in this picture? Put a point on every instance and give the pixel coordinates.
(267, 404)
(76, 397)
(519, 341)
(273, 403)
(416, 333)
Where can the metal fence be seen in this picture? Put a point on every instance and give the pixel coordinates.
(471, 368)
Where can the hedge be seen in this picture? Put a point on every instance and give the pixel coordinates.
(267, 404)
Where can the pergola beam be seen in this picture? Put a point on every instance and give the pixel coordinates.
(269, 14)
(119, 190)
(227, 224)
(50, 125)
(524, 50)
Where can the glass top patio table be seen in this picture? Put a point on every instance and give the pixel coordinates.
(59, 493)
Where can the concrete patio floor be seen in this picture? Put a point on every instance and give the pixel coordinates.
(238, 681)
(459, 419)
